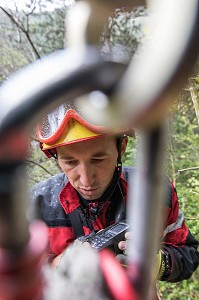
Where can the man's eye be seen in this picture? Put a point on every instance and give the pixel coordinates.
(70, 162)
(98, 160)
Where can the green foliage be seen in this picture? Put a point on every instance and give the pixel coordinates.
(184, 149)
(185, 290)
(29, 34)
(39, 167)
(11, 55)
(129, 156)
(124, 32)
(184, 156)
(47, 31)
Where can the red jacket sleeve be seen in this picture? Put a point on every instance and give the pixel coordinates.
(178, 244)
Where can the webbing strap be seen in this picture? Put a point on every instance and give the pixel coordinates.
(76, 223)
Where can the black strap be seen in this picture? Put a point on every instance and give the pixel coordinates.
(76, 223)
(126, 175)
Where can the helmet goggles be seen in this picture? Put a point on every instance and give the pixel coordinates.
(67, 124)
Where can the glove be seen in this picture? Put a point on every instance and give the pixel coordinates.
(163, 265)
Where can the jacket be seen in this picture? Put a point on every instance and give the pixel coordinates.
(57, 200)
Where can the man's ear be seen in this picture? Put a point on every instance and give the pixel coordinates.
(124, 144)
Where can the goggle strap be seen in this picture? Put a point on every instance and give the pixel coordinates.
(52, 154)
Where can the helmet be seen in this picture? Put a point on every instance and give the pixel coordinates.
(66, 125)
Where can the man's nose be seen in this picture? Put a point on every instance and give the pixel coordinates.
(87, 175)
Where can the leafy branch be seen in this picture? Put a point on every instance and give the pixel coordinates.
(188, 169)
(188, 218)
(20, 26)
(194, 88)
(35, 163)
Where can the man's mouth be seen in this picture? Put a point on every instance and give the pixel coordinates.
(87, 192)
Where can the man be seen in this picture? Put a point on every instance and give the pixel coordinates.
(91, 192)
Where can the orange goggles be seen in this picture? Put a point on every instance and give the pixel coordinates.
(56, 123)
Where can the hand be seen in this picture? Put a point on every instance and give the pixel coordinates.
(122, 244)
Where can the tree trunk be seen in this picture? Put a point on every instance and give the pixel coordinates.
(194, 88)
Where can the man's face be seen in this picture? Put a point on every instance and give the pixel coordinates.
(89, 165)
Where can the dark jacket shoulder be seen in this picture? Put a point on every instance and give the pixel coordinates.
(58, 180)
(45, 204)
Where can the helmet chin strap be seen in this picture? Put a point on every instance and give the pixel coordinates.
(111, 188)
(119, 158)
